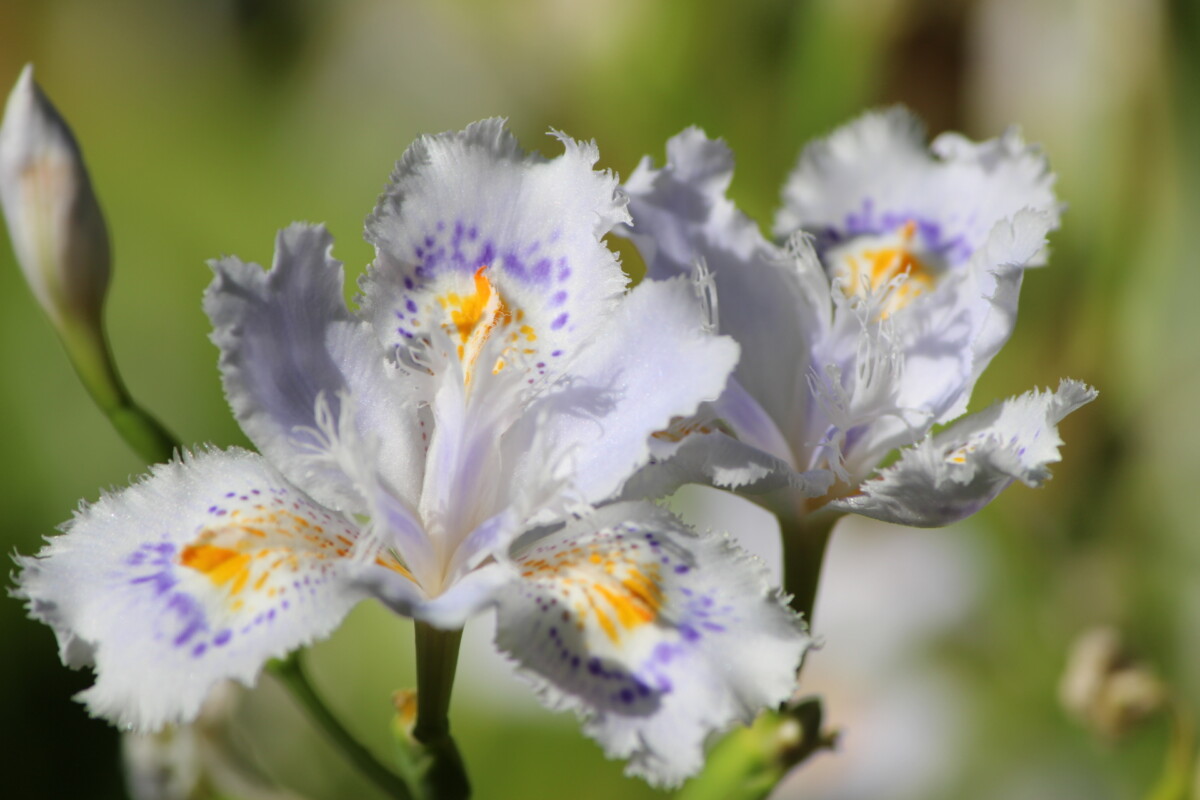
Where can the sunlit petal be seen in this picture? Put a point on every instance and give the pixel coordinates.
(288, 341)
(199, 573)
(955, 473)
(655, 635)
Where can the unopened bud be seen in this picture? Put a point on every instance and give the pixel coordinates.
(1105, 688)
(61, 243)
(54, 220)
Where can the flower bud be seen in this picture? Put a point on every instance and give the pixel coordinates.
(1105, 688)
(54, 220)
(61, 243)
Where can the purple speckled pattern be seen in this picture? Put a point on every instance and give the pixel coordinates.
(935, 235)
(472, 204)
(182, 620)
(458, 248)
(560, 643)
(289, 547)
(584, 633)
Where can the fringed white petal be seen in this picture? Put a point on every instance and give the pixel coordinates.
(955, 473)
(875, 173)
(657, 636)
(477, 239)
(717, 459)
(290, 349)
(682, 218)
(199, 573)
(652, 362)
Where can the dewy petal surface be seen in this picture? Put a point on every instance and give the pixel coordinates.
(655, 635)
(955, 473)
(201, 572)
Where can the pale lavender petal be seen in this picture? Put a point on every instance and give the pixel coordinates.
(287, 341)
(652, 362)
(656, 636)
(717, 459)
(955, 473)
(477, 241)
(950, 335)
(199, 573)
(682, 218)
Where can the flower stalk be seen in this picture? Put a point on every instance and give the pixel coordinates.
(437, 660)
(805, 540)
(433, 754)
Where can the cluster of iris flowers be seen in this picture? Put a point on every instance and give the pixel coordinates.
(490, 425)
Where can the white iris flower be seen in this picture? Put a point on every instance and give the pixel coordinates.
(446, 448)
(898, 286)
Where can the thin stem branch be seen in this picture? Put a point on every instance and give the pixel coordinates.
(291, 674)
(87, 348)
(750, 762)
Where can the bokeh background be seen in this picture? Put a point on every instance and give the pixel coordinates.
(209, 124)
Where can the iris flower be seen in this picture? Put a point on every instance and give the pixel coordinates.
(898, 286)
(446, 448)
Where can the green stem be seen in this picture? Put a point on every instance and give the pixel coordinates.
(805, 540)
(437, 659)
(290, 673)
(1179, 771)
(88, 349)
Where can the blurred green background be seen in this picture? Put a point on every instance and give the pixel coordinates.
(209, 124)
